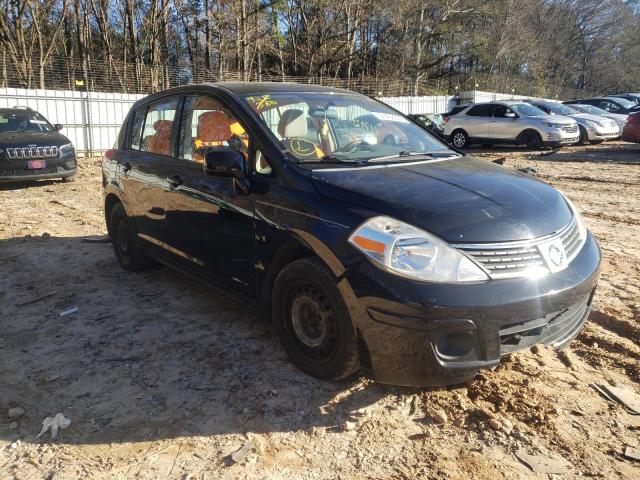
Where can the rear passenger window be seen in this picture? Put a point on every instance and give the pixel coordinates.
(158, 127)
(136, 129)
(481, 111)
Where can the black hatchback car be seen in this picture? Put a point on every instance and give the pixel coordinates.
(406, 259)
(33, 149)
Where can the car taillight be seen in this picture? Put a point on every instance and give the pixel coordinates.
(108, 155)
(446, 118)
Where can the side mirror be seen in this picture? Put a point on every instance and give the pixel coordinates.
(510, 115)
(225, 162)
(58, 126)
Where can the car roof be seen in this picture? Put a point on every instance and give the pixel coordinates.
(243, 88)
(16, 110)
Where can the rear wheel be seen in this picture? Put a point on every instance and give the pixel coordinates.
(460, 139)
(123, 240)
(313, 322)
(531, 139)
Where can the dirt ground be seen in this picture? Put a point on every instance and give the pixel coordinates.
(164, 378)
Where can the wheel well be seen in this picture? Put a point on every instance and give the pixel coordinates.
(459, 130)
(109, 203)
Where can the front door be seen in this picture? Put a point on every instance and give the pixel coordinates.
(210, 218)
(502, 126)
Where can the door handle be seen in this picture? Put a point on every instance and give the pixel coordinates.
(126, 166)
(175, 181)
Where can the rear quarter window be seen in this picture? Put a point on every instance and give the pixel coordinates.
(135, 138)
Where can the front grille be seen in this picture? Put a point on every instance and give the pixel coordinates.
(24, 172)
(570, 129)
(25, 153)
(520, 258)
(554, 329)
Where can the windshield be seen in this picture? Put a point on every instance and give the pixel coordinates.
(624, 102)
(526, 110)
(23, 120)
(560, 109)
(330, 127)
(590, 109)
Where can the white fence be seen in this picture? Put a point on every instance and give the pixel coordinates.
(421, 105)
(92, 120)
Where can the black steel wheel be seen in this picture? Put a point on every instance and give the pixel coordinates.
(313, 322)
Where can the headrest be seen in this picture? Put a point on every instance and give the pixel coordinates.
(214, 126)
(293, 123)
(163, 127)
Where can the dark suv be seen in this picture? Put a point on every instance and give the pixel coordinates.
(401, 257)
(33, 149)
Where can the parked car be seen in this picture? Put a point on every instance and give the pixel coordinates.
(412, 262)
(610, 104)
(634, 97)
(433, 123)
(592, 128)
(385, 132)
(512, 122)
(33, 149)
(619, 118)
(631, 132)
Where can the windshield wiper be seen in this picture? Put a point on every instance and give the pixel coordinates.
(405, 154)
(330, 159)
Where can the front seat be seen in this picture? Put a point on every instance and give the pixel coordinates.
(292, 128)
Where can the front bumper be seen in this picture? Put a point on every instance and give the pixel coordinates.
(556, 138)
(434, 334)
(603, 133)
(17, 171)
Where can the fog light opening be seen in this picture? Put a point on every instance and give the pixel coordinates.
(455, 345)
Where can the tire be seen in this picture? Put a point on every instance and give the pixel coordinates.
(460, 139)
(531, 139)
(69, 179)
(313, 322)
(124, 242)
(596, 142)
(583, 139)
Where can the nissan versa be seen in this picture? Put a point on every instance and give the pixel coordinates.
(400, 257)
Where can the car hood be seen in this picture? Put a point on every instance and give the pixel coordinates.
(462, 200)
(25, 138)
(583, 117)
(556, 119)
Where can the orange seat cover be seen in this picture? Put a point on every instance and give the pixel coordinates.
(160, 141)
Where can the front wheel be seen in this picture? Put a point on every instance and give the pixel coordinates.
(69, 179)
(583, 138)
(531, 139)
(313, 322)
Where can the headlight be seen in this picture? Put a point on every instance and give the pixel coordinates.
(593, 124)
(582, 229)
(66, 149)
(410, 252)
(552, 125)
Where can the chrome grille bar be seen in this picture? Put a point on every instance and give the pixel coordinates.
(24, 153)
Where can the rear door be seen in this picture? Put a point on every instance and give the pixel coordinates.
(144, 166)
(476, 120)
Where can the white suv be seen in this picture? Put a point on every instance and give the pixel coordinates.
(512, 122)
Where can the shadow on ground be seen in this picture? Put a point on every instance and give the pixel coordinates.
(148, 355)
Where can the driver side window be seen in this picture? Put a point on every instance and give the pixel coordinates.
(207, 124)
